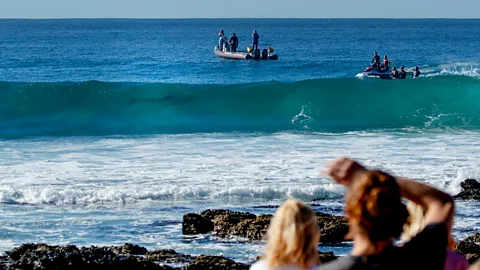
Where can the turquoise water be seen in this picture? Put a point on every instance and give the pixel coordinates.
(111, 130)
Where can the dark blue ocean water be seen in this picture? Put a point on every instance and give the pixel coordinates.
(181, 51)
(161, 76)
(112, 130)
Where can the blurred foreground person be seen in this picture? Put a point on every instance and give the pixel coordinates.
(376, 216)
(292, 242)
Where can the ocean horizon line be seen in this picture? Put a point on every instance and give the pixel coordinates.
(242, 18)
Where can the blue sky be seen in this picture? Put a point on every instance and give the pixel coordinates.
(241, 9)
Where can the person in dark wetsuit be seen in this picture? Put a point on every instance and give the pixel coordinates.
(255, 38)
(376, 216)
(233, 43)
(394, 73)
(402, 74)
(416, 73)
(376, 60)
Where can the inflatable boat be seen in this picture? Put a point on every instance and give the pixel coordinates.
(256, 55)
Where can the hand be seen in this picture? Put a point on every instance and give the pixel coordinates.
(343, 170)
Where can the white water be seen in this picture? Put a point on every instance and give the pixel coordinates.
(112, 190)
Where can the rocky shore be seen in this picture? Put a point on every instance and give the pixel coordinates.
(470, 190)
(226, 223)
(221, 223)
(470, 248)
(128, 256)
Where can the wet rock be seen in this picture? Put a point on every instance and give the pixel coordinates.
(327, 257)
(228, 223)
(334, 228)
(214, 263)
(41, 256)
(469, 249)
(251, 227)
(470, 190)
(130, 249)
(196, 224)
(473, 238)
(168, 256)
(17, 252)
(239, 216)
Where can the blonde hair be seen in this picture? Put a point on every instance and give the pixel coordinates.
(293, 237)
(416, 224)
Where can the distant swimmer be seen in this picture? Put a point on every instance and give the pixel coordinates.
(376, 60)
(233, 43)
(394, 73)
(255, 38)
(402, 74)
(416, 73)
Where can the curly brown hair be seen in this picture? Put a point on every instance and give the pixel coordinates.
(374, 207)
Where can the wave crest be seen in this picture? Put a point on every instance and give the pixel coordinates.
(323, 105)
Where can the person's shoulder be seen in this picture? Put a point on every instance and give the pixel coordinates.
(345, 263)
(456, 261)
(260, 265)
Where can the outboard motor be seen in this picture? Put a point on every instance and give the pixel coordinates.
(257, 54)
(264, 54)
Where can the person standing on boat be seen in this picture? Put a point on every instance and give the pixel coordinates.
(255, 38)
(233, 43)
(221, 40)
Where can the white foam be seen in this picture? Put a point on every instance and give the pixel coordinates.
(455, 69)
(216, 166)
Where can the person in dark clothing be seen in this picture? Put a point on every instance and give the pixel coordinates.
(402, 74)
(376, 60)
(255, 38)
(416, 73)
(376, 216)
(394, 73)
(233, 43)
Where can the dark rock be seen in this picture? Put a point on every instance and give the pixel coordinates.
(334, 228)
(471, 190)
(470, 184)
(41, 256)
(130, 249)
(168, 256)
(469, 249)
(239, 216)
(265, 206)
(228, 223)
(327, 257)
(196, 224)
(17, 252)
(253, 229)
(214, 263)
(473, 238)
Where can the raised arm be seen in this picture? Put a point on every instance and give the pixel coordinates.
(439, 206)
